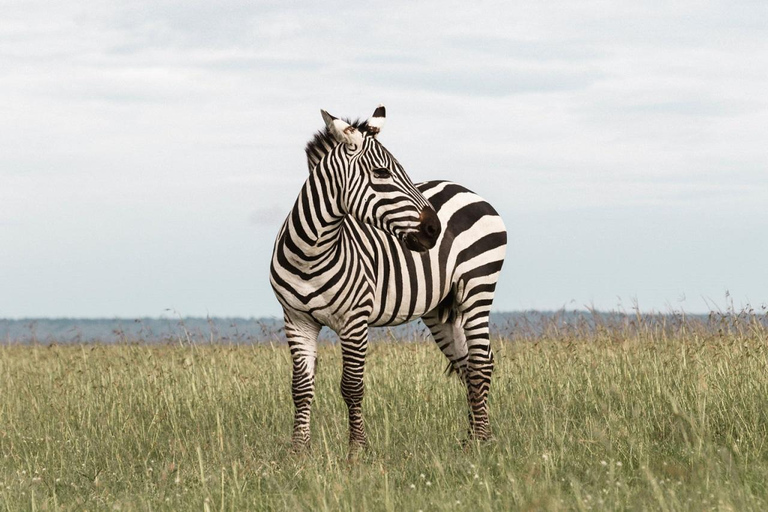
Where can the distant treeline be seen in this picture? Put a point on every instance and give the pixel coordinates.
(525, 325)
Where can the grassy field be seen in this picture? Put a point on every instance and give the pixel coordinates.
(640, 421)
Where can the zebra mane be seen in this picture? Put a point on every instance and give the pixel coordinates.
(323, 142)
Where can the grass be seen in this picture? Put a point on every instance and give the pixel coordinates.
(647, 421)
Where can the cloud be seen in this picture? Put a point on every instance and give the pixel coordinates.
(533, 51)
(164, 127)
(270, 216)
(478, 80)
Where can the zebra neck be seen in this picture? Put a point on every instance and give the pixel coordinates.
(315, 223)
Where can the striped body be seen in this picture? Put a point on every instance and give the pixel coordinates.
(394, 285)
(363, 246)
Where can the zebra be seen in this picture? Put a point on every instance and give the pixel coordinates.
(363, 246)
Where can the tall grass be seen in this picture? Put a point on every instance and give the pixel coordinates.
(611, 418)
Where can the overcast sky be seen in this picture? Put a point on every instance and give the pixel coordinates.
(149, 150)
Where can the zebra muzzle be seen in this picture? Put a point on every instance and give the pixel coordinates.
(428, 232)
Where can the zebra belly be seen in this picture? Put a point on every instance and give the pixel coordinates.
(408, 283)
(399, 302)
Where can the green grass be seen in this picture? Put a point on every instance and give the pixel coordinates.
(646, 423)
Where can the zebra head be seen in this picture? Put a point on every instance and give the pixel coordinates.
(374, 187)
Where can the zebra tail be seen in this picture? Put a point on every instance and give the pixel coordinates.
(450, 369)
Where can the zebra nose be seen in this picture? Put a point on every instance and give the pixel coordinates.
(430, 224)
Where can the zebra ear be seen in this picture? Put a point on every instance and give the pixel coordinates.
(342, 131)
(376, 121)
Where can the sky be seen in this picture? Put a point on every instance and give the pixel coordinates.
(150, 150)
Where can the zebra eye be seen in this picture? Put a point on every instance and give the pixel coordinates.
(382, 173)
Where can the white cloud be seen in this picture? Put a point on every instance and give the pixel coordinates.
(152, 145)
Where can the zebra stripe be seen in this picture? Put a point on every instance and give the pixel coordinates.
(363, 246)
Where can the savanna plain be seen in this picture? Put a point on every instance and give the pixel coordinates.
(635, 415)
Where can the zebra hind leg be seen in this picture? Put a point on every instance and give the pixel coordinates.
(302, 341)
(450, 338)
(460, 329)
(479, 369)
(450, 334)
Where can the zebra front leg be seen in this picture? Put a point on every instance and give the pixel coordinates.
(354, 344)
(302, 340)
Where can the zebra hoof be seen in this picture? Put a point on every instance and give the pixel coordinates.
(475, 440)
(356, 449)
(299, 446)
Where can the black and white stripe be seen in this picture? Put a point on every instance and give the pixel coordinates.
(365, 246)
